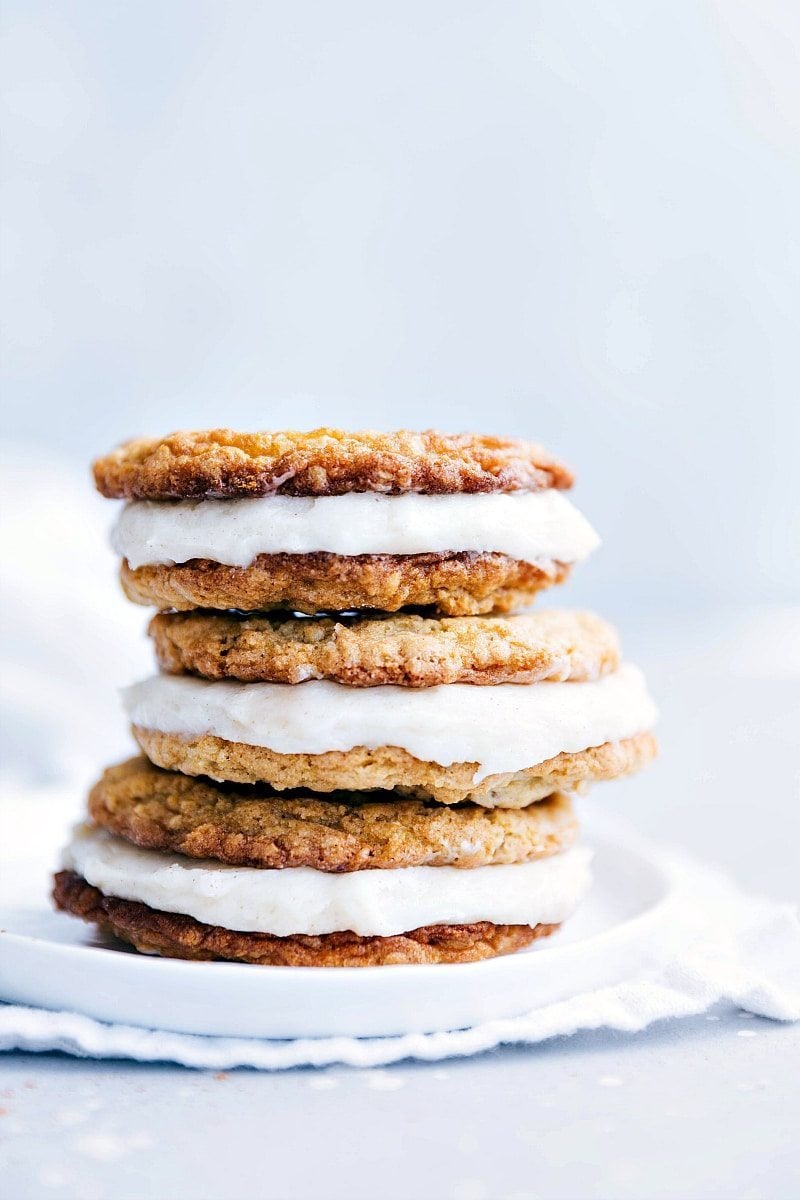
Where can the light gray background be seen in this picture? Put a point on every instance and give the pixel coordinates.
(572, 221)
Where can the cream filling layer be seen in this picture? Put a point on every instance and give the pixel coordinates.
(535, 527)
(509, 727)
(303, 901)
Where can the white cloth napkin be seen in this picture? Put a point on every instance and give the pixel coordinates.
(734, 948)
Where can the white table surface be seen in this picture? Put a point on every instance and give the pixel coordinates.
(699, 1109)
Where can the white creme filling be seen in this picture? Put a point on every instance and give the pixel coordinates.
(304, 901)
(534, 527)
(508, 727)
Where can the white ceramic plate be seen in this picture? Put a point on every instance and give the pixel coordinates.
(54, 961)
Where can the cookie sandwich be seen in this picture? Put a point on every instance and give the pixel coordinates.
(192, 869)
(330, 521)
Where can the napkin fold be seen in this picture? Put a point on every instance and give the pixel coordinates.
(727, 947)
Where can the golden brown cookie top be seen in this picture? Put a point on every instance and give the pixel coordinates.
(221, 463)
(252, 826)
(406, 650)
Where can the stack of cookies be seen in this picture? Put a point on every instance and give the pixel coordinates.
(355, 752)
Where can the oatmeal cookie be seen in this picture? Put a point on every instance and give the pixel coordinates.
(253, 827)
(323, 462)
(406, 650)
(176, 936)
